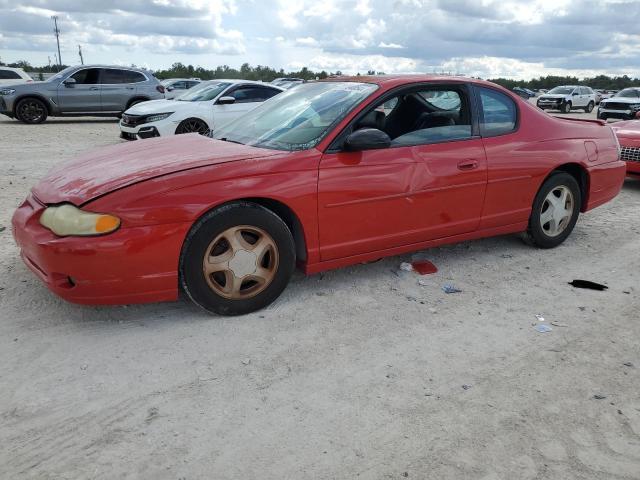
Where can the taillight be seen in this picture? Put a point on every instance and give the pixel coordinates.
(160, 88)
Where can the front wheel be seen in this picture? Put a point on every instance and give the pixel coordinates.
(589, 108)
(192, 125)
(31, 110)
(237, 259)
(566, 107)
(555, 211)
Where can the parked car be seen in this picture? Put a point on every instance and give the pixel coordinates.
(174, 87)
(287, 82)
(322, 176)
(95, 90)
(13, 76)
(200, 109)
(567, 98)
(628, 133)
(524, 92)
(624, 105)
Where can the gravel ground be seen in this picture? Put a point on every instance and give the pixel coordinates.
(360, 372)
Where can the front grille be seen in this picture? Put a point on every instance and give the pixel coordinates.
(128, 136)
(616, 106)
(133, 120)
(630, 154)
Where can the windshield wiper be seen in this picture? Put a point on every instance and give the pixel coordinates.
(225, 139)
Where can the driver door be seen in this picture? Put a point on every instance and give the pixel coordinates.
(418, 189)
(82, 96)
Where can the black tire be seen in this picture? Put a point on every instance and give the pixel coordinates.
(566, 107)
(537, 233)
(31, 111)
(589, 108)
(207, 229)
(192, 125)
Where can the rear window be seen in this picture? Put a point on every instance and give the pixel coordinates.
(9, 75)
(499, 113)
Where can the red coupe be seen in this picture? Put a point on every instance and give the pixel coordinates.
(629, 137)
(328, 174)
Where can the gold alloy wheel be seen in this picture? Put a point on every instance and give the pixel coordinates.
(240, 262)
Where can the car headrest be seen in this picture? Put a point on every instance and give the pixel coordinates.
(374, 119)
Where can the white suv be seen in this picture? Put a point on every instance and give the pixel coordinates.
(567, 98)
(13, 76)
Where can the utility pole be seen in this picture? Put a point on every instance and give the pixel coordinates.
(57, 33)
(49, 57)
(80, 53)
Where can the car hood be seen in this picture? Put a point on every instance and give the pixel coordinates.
(31, 86)
(107, 169)
(162, 106)
(626, 100)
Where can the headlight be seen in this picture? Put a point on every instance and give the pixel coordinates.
(157, 117)
(7, 91)
(68, 219)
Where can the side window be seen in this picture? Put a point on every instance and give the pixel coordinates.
(192, 84)
(422, 116)
(267, 92)
(133, 77)
(248, 94)
(8, 75)
(179, 86)
(87, 76)
(499, 113)
(112, 76)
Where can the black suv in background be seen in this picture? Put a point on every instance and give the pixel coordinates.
(93, 90)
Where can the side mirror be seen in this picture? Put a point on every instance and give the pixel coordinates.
(367, 139)
(169, 89)
(69, 82)
(226, 101)
(575, 94)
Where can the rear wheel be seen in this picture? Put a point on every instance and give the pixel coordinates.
(555, 211)
(589, 108)
(237, 259)
(31, 110)
(566, 107)
(192, 125)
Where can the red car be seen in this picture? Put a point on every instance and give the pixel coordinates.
(325, 175)
(629, 137)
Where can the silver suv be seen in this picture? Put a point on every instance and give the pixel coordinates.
(567, 98)
(95, 90)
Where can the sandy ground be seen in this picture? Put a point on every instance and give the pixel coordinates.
(358, 372)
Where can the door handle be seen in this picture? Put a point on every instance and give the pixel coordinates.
(469, 164)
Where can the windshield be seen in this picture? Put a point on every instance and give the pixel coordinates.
(60, 75)
(561, 91)
(629, 93)
(296, 119)
(203, 92)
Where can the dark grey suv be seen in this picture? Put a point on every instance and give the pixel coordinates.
(95, 90)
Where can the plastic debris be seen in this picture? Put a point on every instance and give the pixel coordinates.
(407, 267)
(448, 288)
(466, 387)
(543, 328)
(424, 267)
(599, 397)
(588, 285)
(628, 364)
(558, 324)
(539, 317)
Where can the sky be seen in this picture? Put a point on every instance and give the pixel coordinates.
(518, 39)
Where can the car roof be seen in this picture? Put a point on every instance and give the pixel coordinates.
(390, 81)
(13, 69)
(119, 67)
(239, 80)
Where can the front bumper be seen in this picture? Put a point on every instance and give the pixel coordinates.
(549, 104)
(605, 113)
(131, 265)
(162, 128)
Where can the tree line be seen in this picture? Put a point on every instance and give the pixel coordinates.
(267, 74)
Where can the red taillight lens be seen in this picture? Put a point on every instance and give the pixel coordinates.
(160, 88)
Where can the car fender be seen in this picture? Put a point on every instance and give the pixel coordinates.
(48, 101)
